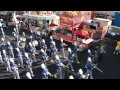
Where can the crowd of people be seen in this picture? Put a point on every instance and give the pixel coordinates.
(21, 52)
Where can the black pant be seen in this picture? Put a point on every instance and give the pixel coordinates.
(100, 57)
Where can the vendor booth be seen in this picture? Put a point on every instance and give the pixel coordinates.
(101, 28)
(69, 21)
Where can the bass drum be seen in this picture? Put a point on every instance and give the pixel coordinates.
(35, 43)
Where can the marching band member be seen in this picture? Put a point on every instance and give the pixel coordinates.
(32, 51)
(16, 32)
(6, 60)
(9, 50)
(30, 40)
(11, 60)
(70, 59)
(16, 23)
(19, 57)
(3, 45)
(51, 40)
(14, 68)
(90, 55)
(62, 50)
(28, 64)
(75, 50)
(53, 49)
(1, 60)
(81, 75)
(43, 56)
(89, 52)
(1, 26)
(30, 32)
(15, 41)
(71, 77)
(59, 66)
(28, 75)
(45, 72)
(43, 45)
(22, 45)
(89, 67)
(3, 33)
(38, 37)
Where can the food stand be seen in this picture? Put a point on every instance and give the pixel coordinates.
(69, 20)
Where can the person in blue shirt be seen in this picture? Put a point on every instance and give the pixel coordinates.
(3, 33)
(28, 75)
(22, 46)
(70, 59)
(38, 37)
(29, 40)
(62, 50)
(59, 66)
(9, 48)
(81, 75)
(43, 56)
(32, 51)
(90, 67)
(16, 31)
(6, 60)
(15, 70)
(45, 72)
(19, 57)
(3, 45)
(28, 64)
(51, 40)
(1, 60)
(90, 54)
(15, 41)
(75, 50)
(53, 49)
(71, 77)
(43, 45)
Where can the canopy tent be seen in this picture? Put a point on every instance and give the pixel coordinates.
(41, 17)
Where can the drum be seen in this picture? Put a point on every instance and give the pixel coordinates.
(35, 43)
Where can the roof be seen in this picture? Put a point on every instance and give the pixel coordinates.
(102, 19)
(53, 16)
